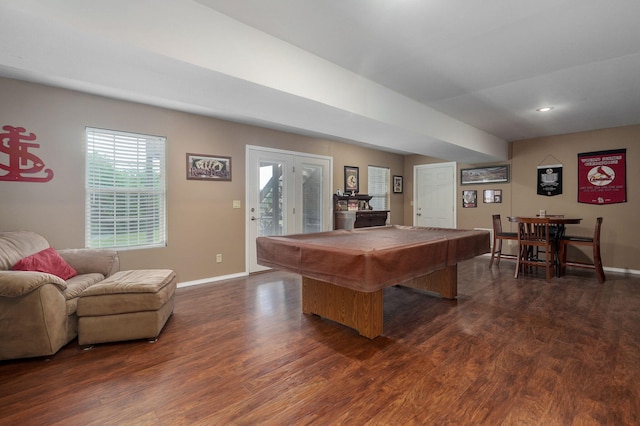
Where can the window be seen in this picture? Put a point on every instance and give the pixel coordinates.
(378, 184)
(125, 190)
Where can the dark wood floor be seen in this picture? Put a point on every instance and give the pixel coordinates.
(507, 351)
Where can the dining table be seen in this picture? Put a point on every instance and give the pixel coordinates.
(559, 221)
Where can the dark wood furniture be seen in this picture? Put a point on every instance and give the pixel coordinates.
(594, 242)
(556, 229)
(359, 215)
(345, 272)
(534, 237)
(498, 236)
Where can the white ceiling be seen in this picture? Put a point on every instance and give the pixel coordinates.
(452, 79)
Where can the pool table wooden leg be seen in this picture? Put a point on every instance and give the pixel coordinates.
(356, 309)
(443, 281)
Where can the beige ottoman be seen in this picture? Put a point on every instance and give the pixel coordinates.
(128, 305)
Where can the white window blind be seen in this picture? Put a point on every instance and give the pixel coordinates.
(378, 184)
(125, 190)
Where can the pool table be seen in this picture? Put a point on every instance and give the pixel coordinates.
(345, 272)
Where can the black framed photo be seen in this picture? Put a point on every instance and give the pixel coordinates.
(208, 167)
(492, 195)
(397, 184)
(495, 174)
(351, 179)
(469, 198)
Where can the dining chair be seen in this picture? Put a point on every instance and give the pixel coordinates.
(535, 239)
(594, 242)
(498, 237)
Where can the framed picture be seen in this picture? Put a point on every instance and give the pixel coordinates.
(208, 167)
(492, 195)
(469, 198)
(496, 174)
(351, 179)
(397, 184)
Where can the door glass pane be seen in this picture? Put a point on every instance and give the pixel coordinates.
(270, 199)
(312, 198)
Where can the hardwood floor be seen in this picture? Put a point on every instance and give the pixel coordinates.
(507, 351)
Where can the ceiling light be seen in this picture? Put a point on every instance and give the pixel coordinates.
(544, 109)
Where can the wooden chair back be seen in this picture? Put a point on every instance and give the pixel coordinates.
(497, 224)
(535, 237)
(594, 242)
(498, 236)
(534, 231)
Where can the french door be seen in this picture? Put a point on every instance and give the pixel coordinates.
(287, 193)
(435, 195)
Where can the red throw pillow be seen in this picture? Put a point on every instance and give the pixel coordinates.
(48, 261)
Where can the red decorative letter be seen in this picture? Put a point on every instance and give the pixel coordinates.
(21, 161)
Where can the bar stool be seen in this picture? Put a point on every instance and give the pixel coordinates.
(594, 242)
(498, 236)
(534, 237)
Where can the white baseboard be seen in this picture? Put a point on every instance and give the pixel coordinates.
(606, 268)
(212, 280)
(622, 270)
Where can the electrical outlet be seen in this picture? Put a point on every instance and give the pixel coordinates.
(219, 258)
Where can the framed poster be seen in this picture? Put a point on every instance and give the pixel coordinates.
(351, 179)
(397, 184)
(492, 195)
(208, 167)
(469, 198)
(602, 177)
(496, 174)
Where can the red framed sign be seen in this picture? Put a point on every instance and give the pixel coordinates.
(602, 177)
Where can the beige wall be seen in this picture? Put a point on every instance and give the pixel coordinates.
(621, 226)
(201, 220)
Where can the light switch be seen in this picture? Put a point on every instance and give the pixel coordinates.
(236, 204)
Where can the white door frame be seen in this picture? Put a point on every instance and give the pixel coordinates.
(327, 201)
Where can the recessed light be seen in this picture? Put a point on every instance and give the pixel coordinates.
(544, 109)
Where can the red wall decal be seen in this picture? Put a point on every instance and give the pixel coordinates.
(15, 158)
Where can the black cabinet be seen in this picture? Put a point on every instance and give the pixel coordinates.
(354, 212)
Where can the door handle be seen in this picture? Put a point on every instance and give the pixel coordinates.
(255, 218)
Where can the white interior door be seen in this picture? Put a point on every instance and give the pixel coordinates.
(435, 195)
(287, 193)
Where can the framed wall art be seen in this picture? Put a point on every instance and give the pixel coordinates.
(351, 179)
(492, 195)
(495, 174)
(602, 177)
(469, 198)
(397, 184)
(208, 167)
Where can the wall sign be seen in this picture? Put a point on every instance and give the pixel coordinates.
(17, 163)
(602, 177)
(550, 180)
(208, 167)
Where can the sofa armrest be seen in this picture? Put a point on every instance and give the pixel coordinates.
(19, 283)
(87, 261)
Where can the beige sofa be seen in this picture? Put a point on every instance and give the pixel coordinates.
(37, 309)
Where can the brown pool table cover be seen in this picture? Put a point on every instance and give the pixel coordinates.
(369, 259)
